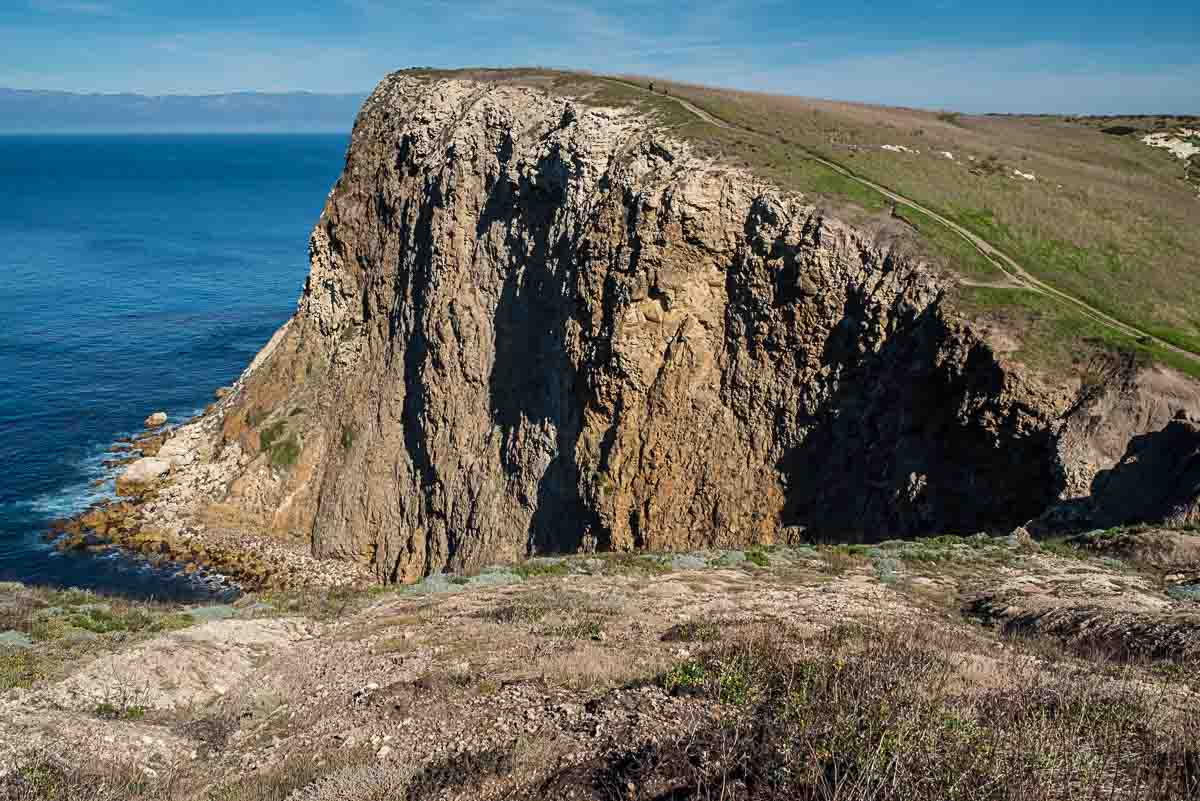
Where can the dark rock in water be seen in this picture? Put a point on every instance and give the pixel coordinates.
(112, 464)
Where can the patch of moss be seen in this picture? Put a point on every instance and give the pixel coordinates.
(757, 556)
(286, 452)
(528, 570)
(271, 434)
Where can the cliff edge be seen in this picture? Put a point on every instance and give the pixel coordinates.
(536, 324)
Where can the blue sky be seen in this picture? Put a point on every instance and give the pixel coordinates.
(1067, 56)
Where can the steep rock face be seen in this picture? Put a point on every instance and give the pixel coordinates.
(1158, 478)
(532, 325)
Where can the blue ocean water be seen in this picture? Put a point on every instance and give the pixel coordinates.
(136, 273)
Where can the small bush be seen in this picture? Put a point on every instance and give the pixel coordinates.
(685, 678)
(693, 631)
(1063, 549)
(100, 619)
(271, 434)
(757, 556)
(887, 570)
(583, 630)
(285, 453)
(109, 711)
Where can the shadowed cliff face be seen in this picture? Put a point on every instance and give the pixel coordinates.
(537, 326)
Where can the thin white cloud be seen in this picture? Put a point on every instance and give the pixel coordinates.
(700, 45)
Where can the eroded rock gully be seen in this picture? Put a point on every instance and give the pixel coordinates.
(534, 325)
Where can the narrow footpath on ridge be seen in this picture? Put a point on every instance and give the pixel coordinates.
(1003, 261)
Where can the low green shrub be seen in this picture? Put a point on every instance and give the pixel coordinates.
(285, 452)
(684, 678)
(581, 630)
(693, 631)
(757, 556)
(533, 569)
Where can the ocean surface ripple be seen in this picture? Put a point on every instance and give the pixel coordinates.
(138, 273)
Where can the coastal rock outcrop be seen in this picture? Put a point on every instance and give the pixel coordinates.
(141, 474)
(533, 324)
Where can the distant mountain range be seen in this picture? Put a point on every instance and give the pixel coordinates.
(38, 111)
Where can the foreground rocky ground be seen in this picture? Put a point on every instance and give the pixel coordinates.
(946, 667)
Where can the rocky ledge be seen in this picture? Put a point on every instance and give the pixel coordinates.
(167, 511)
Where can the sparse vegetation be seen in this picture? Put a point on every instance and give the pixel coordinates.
(534, 569)
(693, 631)
(109, 711)
(757, 556)
(862, 713)
(635, 564)
(839, 559)
(524, 613)
(912, 703)
(283, 447)
(577, 630)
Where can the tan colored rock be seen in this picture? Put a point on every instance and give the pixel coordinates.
(156, 420)
(141, 474)
(189, 667)
(536, 325)
(573, 333)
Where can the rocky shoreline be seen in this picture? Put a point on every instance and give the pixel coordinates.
(164, 511)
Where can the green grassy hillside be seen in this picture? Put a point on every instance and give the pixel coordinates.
(1099, 216)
